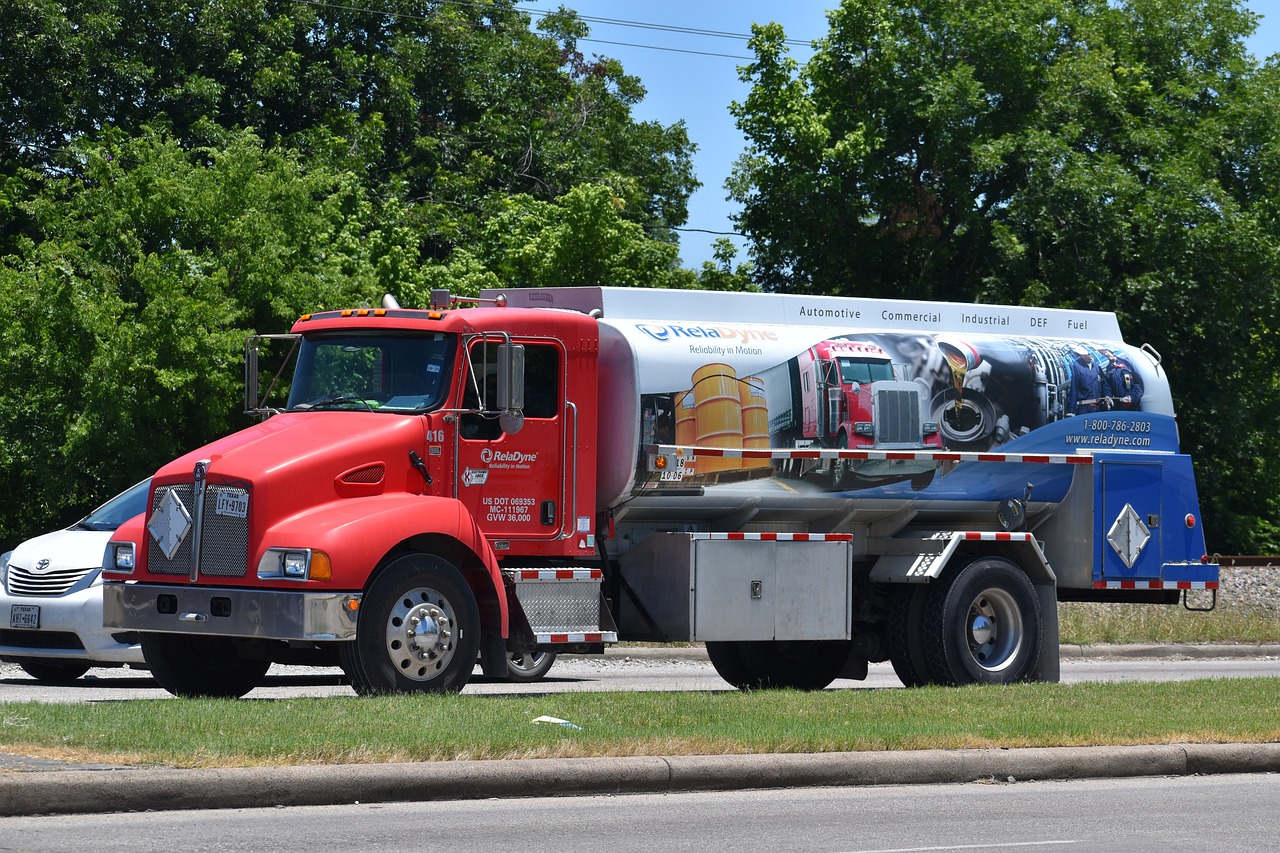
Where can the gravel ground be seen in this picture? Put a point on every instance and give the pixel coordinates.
(1252, 589)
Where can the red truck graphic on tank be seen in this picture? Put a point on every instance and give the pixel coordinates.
(853, 397)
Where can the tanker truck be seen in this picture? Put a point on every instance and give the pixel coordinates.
(554, 470)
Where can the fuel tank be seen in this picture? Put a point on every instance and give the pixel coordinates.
(719, 373)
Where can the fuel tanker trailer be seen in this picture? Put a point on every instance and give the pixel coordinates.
(805, 484)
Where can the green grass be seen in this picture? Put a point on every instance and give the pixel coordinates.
(221, 733)
(1092, 624)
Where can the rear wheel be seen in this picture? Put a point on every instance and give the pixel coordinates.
(201, 666)
(794, 664)
(53, 671)
(906, 634)
(418, 630)
(982, 624)
(727, 659)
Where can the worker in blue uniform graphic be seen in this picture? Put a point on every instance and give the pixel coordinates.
(1088, 390)
(1123, 384)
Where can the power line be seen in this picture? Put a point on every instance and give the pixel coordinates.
(664, 28)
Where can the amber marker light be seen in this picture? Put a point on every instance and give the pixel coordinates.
(321, 568)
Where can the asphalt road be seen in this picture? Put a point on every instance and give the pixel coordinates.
(1226, 814)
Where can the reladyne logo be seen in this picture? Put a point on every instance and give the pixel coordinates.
(732, 334)
(515, 457)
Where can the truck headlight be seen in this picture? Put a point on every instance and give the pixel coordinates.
(864, 428)
(294, 564)
(121, 558)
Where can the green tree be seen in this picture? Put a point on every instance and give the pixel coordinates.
(125, 323)
(451, 100)
(1110, 154)
(177, 173)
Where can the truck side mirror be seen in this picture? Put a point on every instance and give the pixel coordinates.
(511, 387)
(251, 375)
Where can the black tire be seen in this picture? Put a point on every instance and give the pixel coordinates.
(197, 666)
(43, 670)
(796, 664)
(906, 634)
(525, 667)
(726, 657)
(391, 654)
(982, 624)
(840, 467)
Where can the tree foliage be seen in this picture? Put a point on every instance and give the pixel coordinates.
(175, 174)
(1110, 154)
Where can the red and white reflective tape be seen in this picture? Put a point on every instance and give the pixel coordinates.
(987, 536)
(1155, 584)
(889, 455)
(558, 574)
(597, 637)
(777, 537)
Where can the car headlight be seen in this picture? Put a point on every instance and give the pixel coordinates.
(4, 567)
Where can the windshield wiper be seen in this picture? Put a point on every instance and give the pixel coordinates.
(335, 401)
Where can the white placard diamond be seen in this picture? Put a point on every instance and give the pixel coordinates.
(169, 524)
(1128, 535)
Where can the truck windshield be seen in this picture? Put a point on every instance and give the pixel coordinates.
(374, 372)
(854, 370)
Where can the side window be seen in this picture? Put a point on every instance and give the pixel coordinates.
(541, 381)
(541, 388)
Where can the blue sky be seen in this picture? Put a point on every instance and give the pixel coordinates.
(696, 78)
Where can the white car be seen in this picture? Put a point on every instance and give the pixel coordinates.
(51, 597)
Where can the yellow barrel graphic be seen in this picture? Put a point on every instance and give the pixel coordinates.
(718, 414)
(686, 420)
(755, 419)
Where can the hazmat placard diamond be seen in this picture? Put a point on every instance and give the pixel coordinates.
(169, 524)
(1128, 536)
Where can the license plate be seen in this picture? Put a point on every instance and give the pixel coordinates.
(24, 616)
(235, 505)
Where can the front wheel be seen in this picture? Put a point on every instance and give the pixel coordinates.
(196, 666)
(982, 624)
(418, 630)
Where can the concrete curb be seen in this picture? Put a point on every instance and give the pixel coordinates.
(42, 792)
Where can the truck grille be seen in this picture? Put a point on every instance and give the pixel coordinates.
(898, 417)
(224, 549)
(23, 582)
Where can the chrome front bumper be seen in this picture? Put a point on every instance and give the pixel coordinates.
(266, 614)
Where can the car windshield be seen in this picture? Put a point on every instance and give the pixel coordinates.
(118, 510)
(375, 372)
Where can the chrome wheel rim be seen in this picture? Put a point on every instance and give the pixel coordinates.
(993, 629)
(421, 634)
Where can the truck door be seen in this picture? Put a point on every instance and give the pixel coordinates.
(1130, 518)
(514, 483)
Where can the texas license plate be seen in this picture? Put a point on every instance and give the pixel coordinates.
(24, 616)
